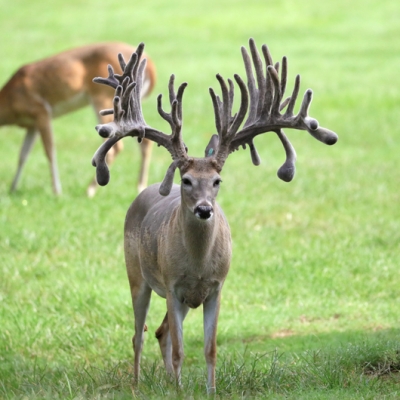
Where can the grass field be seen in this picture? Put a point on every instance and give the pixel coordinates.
(310, 308)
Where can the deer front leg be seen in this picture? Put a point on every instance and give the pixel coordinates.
(141, 300)
(210, 318)
(26, 148)
(177, 312)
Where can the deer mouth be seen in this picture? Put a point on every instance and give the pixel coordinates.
(203, 212)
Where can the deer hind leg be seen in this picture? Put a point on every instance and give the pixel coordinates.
(164, 340)
(145, 149)
(30, 137)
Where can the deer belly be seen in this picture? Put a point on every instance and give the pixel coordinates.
(70, 104)
(152, 278)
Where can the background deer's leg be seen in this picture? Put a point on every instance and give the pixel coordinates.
(210, 316)
(145, 148)
(26, 148)
(141, 294)
(46, 134)
(177, 312)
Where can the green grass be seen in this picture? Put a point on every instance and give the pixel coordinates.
(310, 306)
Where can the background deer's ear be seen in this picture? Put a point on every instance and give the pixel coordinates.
(212, 146)
(166, 185)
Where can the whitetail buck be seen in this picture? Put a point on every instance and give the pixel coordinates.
(57, 85)
(177, 239)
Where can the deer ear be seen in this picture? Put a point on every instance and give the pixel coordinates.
(212, 146)
(166, 185)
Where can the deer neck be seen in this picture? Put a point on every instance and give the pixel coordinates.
(198, 235)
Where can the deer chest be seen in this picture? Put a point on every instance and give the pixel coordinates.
(193, 291)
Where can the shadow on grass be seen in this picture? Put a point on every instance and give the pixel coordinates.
(289, 342)
(345, 365)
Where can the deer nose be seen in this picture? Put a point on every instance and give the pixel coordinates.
(203, 212)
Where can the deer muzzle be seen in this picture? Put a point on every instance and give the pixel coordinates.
(204, 211)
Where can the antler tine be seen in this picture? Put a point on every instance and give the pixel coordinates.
(111, 80)
(135, 63)
(99, 161)
(174, 118)
(276, 99)
(261, 81)
(177, 147)
(231, 96)
(244, 104)
(224, 109)
(139, 82)
(179, 97)
(130, 69)
(269, 87)
(293, 98)
(172, 98)
(283, 76)
(171, 89)
(217, 106)
(121, 61)
(287, 170)
(226, 124)
(251, 88)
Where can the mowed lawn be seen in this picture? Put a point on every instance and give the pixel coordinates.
(310, 308)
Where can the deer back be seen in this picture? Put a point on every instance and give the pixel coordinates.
(63, 83)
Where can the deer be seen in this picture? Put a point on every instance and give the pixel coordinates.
(177, 240)
(54, 86)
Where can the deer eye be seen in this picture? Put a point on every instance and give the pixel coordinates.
(217, 182)
(186, 181)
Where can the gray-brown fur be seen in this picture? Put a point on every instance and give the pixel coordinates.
(181, 257)
(174, 250)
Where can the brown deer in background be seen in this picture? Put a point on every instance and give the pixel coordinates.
(177, 239)
(46, 89)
